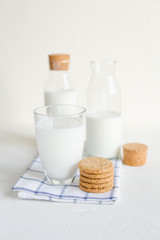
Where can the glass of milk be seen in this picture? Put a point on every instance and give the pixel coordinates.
(60, 132)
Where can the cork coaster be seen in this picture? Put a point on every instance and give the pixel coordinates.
(97, 186)
(134, 154)
(96, 190)
(95, 165)
(96, 180)
(97, 176)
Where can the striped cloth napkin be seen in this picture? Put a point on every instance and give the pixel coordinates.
(34, 185)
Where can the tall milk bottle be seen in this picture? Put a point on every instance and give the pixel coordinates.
(57, 88)
(104, 121)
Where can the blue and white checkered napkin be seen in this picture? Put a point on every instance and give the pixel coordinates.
(33, 185)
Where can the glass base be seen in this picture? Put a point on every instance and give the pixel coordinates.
(67, 181)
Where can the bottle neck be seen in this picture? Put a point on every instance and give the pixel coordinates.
(59, 75)
(60, 78)
(103, 68)
(58, 72)
(103, 93)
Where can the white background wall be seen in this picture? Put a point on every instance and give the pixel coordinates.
(126, 30)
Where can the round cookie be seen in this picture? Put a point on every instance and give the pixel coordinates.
(97, 186)
(95, 165)
(96, 190)
(134, 154)
(95, 176)
(96, 180)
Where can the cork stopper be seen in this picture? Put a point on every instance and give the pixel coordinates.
(59, 62)
(134, 154)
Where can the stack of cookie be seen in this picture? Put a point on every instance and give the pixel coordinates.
(96, 175)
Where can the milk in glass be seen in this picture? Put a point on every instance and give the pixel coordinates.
(60, 144)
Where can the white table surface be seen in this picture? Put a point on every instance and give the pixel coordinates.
(137, 215)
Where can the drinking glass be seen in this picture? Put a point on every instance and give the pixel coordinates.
(60, 132)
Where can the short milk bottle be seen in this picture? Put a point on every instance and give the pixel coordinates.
(104, 122)
(58, 89)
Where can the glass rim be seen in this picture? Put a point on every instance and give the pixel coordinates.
(103, 61)
(59, 105)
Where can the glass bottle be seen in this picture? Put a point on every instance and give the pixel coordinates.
(58, 89)
(104, 122)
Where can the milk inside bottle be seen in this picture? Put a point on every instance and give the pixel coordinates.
(104, 134)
